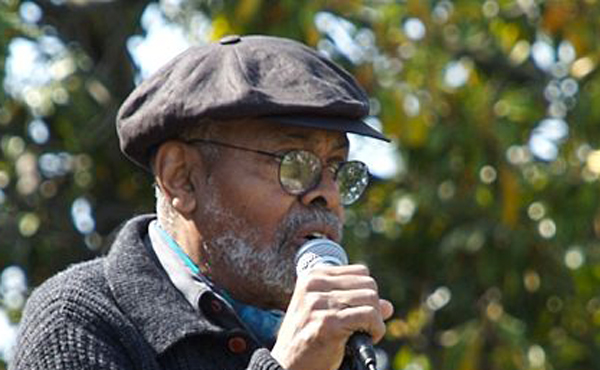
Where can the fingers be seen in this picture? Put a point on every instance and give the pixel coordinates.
(340, 299)
(363, 319)
(328, 305)
(362, 311)
(328, 278)
(348, 301)
(343, 270)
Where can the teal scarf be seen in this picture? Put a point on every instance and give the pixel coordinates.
(264, 324)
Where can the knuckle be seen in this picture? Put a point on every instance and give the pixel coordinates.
(325, 325)
(313, 282)
(372, 297)
(371, 283)
(363, 270)
(312, 301)
(373, 312)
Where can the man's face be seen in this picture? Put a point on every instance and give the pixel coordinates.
(252, 228)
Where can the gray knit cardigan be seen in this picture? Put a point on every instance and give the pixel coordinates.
(122, 312)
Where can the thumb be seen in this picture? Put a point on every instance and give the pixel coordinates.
(386, 307)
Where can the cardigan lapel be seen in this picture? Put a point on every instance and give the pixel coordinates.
(145, 294)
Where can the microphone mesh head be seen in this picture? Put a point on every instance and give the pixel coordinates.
(318, 252)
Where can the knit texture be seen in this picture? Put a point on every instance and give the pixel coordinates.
(122, 312)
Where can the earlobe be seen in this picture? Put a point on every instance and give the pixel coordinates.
(172, 169)
(176, 203)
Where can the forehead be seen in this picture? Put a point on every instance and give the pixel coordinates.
(266, 132)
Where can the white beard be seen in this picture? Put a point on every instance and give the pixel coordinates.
(266, 272)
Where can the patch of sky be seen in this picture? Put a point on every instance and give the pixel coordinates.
(414, 29)
(38, 131)
(13, 286)
(163, 40)
(33, 64)
(8, 337)
(442, 11)
(357, 45)
(30, 12)
(382, 158)
(25, 66)
(543, 54)
(456, 73)
(55, 164)
(546, 137)
(81, 214)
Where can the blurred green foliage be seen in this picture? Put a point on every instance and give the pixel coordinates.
(487, 238)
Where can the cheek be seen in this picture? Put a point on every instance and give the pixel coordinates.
(256, 200)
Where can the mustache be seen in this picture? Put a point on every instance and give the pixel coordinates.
(300, 217)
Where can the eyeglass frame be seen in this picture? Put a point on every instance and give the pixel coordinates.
(280, 157)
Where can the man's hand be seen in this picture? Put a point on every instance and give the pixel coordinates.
(328, 305)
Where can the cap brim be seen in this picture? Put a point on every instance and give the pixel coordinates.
(355, 126)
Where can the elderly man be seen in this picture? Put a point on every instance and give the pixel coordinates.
(246, 140)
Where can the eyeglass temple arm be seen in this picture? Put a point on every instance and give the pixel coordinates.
(218, 143)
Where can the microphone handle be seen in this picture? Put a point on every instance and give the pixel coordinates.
(361, 345)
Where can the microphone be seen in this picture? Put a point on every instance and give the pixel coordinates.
(324, 252)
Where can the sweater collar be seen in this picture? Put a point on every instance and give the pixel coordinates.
(143, 291)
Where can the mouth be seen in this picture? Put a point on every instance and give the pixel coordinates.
(306, 226)
(312, 232)
(315, 235)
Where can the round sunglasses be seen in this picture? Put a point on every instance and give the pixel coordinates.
(300, 171)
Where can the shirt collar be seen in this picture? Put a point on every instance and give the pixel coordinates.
(188, 279)
(182, 272)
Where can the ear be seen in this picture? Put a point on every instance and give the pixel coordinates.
(172, 170)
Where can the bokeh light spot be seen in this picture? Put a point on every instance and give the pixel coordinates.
(488, 174)
(536, 356)
(490, 9)
(13, 146)
(593, 161)
(412, 105)
(4, 179)
(518, 155)
(81, 214)
(439, 298)
(38, 131)
(574, 258)
(446, 190)
(536, 211)
(30, 12)
(543, 55)
(547, 228)
(457, 73)
(531, 281)
(582, 67)
(414, 29)
(8, 337)
(405, 209)
(29, 223)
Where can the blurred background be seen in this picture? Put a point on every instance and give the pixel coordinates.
(482, 224)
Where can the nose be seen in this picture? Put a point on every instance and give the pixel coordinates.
(325, 194)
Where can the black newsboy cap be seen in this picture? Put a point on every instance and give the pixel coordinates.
(241, 77)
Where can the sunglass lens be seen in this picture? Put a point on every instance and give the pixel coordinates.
(299, 171)
(352, 178)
